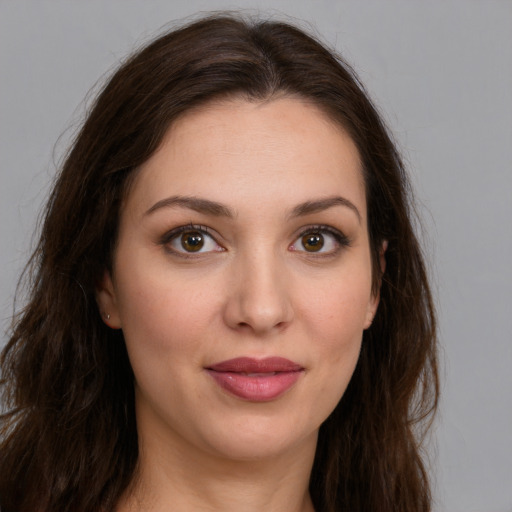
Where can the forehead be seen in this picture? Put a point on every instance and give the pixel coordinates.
(237, 149)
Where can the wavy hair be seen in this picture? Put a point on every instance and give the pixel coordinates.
(69, 436)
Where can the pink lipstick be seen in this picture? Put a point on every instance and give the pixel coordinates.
(256, 380)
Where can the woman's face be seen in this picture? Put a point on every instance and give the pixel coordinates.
(242, 278)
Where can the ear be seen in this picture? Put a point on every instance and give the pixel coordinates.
(107, 302)
(373, 303)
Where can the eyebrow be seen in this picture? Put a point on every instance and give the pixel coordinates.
(320, 205)
(193, 203)
(208, 207)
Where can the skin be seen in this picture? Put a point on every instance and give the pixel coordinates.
(254, 290)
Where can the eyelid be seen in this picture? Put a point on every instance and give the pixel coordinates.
(340, 238)
(169, 236)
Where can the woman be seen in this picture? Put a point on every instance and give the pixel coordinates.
(229, 307)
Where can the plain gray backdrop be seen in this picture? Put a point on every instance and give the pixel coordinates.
(441, 72)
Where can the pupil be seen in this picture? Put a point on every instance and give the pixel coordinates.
(192, 241)
(313, 242)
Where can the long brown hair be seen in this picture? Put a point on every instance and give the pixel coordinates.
(69, 438)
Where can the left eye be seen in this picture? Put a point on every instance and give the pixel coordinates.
(193, 241)
(318, 241)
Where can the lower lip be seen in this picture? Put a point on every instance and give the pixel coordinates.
(261, 388)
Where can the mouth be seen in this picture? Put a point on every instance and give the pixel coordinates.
(256, 380)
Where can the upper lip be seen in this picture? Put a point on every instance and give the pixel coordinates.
(252, 365)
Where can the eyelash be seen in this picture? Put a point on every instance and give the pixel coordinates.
(340, 238)
(175, 233)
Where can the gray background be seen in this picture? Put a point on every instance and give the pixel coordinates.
(441, 72)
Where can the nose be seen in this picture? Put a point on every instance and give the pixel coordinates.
(259, 298)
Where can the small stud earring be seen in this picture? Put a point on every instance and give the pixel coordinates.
(107, 316)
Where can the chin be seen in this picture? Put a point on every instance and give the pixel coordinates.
(251, 438)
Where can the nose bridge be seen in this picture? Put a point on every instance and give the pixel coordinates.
(260, 298)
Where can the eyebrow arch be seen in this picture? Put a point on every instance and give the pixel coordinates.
(323, 204)
(219, 210)
(193, 203)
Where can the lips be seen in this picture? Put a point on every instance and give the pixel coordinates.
(256, 380)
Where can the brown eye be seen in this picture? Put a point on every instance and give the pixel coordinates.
(320, 241)
(192, 241)
(313, 242)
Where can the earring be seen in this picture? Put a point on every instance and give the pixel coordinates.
(106, 316)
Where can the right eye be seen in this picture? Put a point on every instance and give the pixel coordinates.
(191, 240)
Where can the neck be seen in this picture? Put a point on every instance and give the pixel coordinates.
(175, 478)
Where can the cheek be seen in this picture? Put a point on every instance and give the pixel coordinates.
(336, 319)
(164, 330)
(338, 306)
(165, 317)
